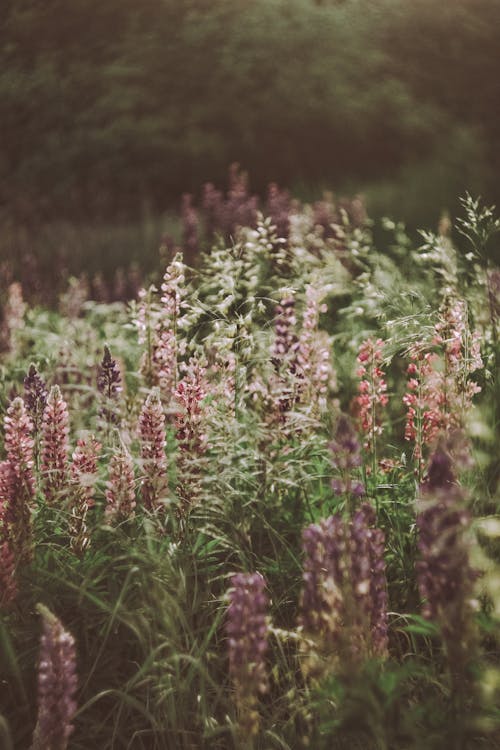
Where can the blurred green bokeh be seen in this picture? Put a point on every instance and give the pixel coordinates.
(110, 110)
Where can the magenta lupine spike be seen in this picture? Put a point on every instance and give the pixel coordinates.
(57, 685)
(153, 443)
(247, 631)
(83, 479)
(17, 481)
(120, 487)
(54, 465)
(372, 390)
(191, 432)
(346, 460)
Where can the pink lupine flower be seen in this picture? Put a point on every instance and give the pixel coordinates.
(164, 364)
(57, 684)
(54, 465)
(284, 347)
(191, 432)
(153, 443)
(440, 389)
(83, 479)
(372, 390)
(173, 292)
(314, 365)
(247, 628)
(17, 481)
(120, 487)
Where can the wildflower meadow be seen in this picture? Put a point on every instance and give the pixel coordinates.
(255, 505)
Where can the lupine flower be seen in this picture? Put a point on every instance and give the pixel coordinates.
(83, 479)
(247, 630)
(191, 427)
(440, 391)
(17, 481)
(346, 459)
(314, 366)
(367, 578)
(284, 349)
(164, 364)
(445, 577)
(153, 443)
(35, 397)
(322, 600)
(423, 419)
(173, 292)
(57, 685)
(54, 466)
(372, 390)
(120, 487)
(108, 384)
(344, 597)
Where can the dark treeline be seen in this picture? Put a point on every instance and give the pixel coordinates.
(109, 106)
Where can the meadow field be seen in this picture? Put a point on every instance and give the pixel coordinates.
(251, 501)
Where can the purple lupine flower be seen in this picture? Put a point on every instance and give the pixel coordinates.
(108, 384)
(445, 577)
(344, 597)
(247, 631)
(57, 684)
(346, 458)
(191, 432)
(321, 604)
(368, 581)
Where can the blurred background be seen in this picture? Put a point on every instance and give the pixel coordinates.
(110, 110)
